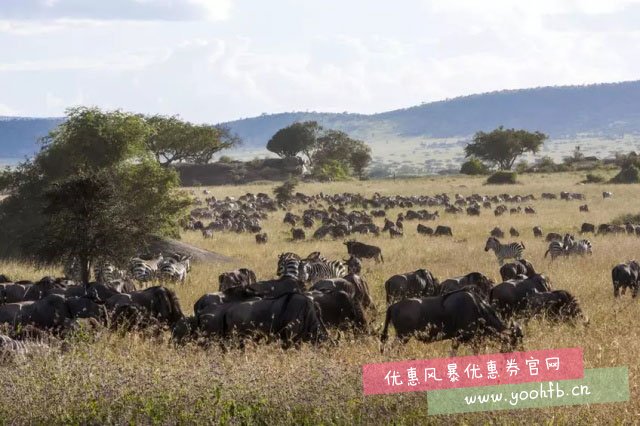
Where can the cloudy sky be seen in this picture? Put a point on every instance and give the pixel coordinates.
(218, 60)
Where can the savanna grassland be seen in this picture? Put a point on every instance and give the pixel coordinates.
(133, 378)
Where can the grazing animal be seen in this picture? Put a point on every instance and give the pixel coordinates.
(364, 251)
(537, 231)
(510, 271)
(297, 234)
(504, 251)
(514, 232)
(474, 281)
(607, 194)
(354, 285)
(105, 272)
(157, 302)
(424, 230)
(242, 277)
(354, 265)
(577, 247)
(556, 249)
(509, 297)
(145, 270)
(338, 309)
(626, 275)
(207, 233)
(322, 269)
(175, 268)
(587, 227)
(283, 258)
(553, 236)
(584, 208)
(418, 283)
(460, 316)
(556, 305)
(497, 232)
(529, 210)
(262, 238)
(443, 231)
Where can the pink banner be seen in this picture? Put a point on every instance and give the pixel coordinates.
(471, 371)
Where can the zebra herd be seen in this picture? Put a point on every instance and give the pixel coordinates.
(568, 247)
(167, 268)
(313, 268)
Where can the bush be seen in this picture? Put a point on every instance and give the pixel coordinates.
(503, 178)
(332, 170)
(626, 218)
(474, 167)
(284, 192)
(593, 178)
(225, 159)
(629, 174)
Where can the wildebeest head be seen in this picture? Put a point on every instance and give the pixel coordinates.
(354, 265)
(491, 243)
(515, 338)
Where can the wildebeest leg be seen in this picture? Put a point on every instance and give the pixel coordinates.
(616, 289)
(455, 343)
(624, 290)
(634, 290)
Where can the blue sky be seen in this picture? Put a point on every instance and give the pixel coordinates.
(219, 60)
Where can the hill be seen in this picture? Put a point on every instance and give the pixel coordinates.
(433, 134)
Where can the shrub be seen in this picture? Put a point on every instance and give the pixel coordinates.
(332, 170)
(502, 178)
(593, 178)
(225, 159)
(474, 167)
(626, 218)
(629, 174)
(284, 192)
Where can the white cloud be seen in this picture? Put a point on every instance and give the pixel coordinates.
(151, 10)
(7, 110)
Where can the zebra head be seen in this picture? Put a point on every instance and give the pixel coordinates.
(492, 244)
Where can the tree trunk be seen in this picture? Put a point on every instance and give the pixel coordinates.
(85, 270)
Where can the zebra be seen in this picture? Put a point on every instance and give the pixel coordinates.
(175, 268)
(579, 247)
(71, 270)
(324, 270)
(283, 258)
(145, 270)
(293, 268)
(556, 249)
(504, 251)
(105, 272)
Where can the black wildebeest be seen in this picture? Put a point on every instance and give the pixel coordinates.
(338, 309)
(553, 236)
(233, 294)
(277, 287)
(364, 251)
(354, 285)
(509, 297)
(424, 230)
(240, 277)
(626, 275)
(556, 305)
(474, 281)
(262, 238)
(537, 231)
(443, 231)
(588, 227)
(461, 316)
(157, 302)
(514, 232)
(510, 271)
(418, 283)
(354, 264)
(297, 234)
(497, 232)
(291, 317)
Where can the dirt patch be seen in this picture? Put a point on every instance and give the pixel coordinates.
(197, 254)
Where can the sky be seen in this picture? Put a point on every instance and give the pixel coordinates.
(219, 60)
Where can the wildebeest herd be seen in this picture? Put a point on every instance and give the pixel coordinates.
(312, 295)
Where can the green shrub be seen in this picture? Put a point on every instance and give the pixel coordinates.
(332, 170)
(225, 159)
(503, 178)
(593, 178)
(629, 174)
(284, 192)
(474, 167)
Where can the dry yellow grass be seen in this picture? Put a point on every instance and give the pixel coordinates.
(117, 379)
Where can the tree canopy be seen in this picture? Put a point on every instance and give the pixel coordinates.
(335, 150)
(173, 140)
(93, 192)
(298, 138)
(502, 146)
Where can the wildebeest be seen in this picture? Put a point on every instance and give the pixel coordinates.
(607, 194)
(584, 208)
(424, 230)
(497, 232)
(354, 265)
(443, 231)
(509, 297)
(474, 281)
(418, 283)
(556, 305)
(262, 238)
(354, 285)
(553, 236)
(291, 317)
(588, 227)
(338, 309)
(4, 279)
(240, 277)
(297, 234)
(460, 316)
(626, 275)
(473, 211)
(364, 251)
(158, 302)
(537, 231)
(514, 232)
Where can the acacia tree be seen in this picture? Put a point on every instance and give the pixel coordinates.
(341, 152)
(173, 140)
(502, 146)
(295, 139)
(92, 192)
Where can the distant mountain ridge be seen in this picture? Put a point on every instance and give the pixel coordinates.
(604, 110)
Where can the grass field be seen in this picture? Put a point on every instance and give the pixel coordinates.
(110, 378)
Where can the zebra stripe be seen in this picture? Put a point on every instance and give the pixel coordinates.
(292, 268)
(556, 249)
(283, 259)
(324, 270)
(504, 251)
(144, 270)
(105, 272)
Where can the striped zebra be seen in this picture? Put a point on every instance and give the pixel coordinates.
(283, 259)
(578, 247)
(175, 268)
(316, 271)
(293, 268)
(144, 270)
(105, 272)
(504, 251)
(71, 270)
(556, 249)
